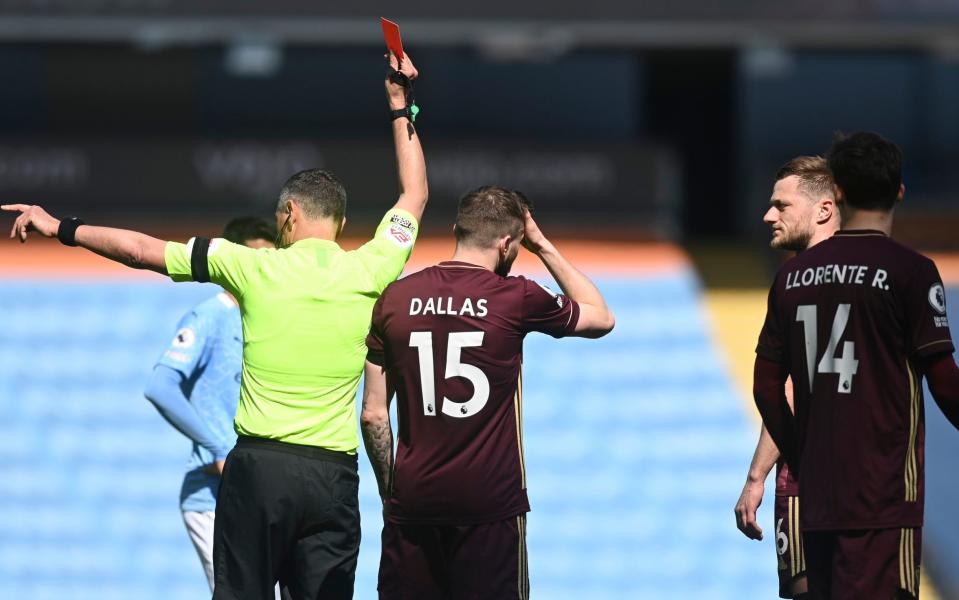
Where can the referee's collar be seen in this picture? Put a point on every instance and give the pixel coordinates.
(312, 241)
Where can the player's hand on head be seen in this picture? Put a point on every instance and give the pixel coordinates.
(746, 508)
(31, 218)
(533, 238)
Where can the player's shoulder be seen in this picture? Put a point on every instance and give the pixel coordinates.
(214, 308)
(523, 282)
(406, 286)
(908, 254)
(872, 242)
(413, 280)
(218, 303)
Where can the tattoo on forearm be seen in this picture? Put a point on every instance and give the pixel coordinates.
(378, 439)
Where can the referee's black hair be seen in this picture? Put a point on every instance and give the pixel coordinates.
(244, 229)
(867, 168)
(319, 193)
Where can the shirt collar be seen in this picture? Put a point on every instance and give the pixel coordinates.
(458, 264)
(859, 233)
(312, 242)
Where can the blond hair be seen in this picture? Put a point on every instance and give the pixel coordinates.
(815, 178)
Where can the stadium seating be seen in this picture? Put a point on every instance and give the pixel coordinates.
(636, 448)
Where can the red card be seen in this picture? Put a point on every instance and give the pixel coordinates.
(391, 31)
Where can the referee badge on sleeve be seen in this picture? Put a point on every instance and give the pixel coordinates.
(400, 231)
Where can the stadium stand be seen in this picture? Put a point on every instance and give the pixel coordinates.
(635, 451)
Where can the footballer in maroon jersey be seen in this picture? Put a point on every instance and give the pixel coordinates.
(449, 341)
(857, 321)
(802, 212)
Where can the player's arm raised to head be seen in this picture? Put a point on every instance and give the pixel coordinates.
(410, 163)
(595, 318)
(127, 247)
(375, 425)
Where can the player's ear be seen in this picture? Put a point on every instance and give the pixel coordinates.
(342, 226)
(502, 246)
(902, 192)
(827, 208)
(293, 210)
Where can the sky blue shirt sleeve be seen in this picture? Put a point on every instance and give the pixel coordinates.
(165, 391)
(186, 352)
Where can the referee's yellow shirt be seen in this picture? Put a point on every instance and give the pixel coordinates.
(306, 312)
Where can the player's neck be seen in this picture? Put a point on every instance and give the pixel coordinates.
(877, 220)
(476, 256)
(820, 235)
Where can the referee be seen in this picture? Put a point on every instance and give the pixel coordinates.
(287, 508)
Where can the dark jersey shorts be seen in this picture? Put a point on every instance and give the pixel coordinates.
(870, 563)
(287, 513)
(791, 559)
(442, 562)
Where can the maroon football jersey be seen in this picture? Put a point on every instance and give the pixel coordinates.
(451, 339)
(786, 482)
(850, 318)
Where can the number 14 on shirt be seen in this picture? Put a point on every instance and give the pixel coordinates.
(846, 365)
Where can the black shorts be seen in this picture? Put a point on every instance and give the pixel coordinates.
(870, 563)
(454, 562)
(790, 559)
(286, 513)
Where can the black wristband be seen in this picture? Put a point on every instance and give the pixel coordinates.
(400, 113)
(67, 231)
(411, 109)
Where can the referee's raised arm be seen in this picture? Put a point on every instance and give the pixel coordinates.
(409, 154)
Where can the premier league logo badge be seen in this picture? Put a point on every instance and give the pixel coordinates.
(937, 298)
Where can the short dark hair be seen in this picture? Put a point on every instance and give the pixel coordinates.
(867, 168)
(815, 178)
(319, 193)
(487, 214)
(243, 229)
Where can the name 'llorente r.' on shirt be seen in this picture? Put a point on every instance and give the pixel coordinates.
(850, 319)
(451, 340)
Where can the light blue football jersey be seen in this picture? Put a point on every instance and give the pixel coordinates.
(208, 350)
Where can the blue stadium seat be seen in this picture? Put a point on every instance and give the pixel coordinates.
(636, 449)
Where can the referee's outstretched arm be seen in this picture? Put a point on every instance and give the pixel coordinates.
(130, 248)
